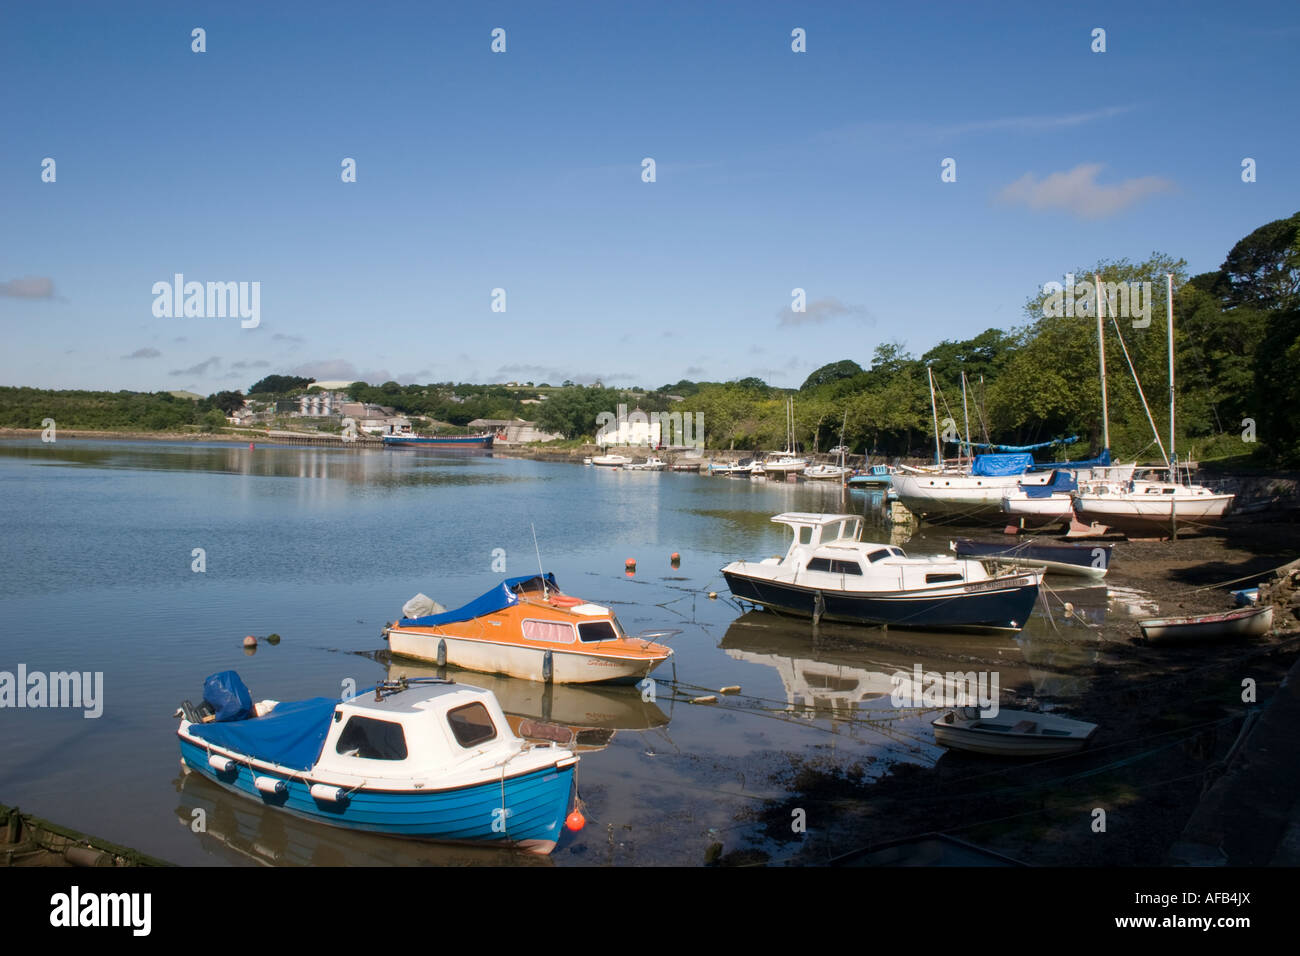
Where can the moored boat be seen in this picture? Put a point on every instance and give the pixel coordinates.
(526, 627)
(828, 572)
(611, 461)
(1011, 733)
(1249, 622)
(650, 464)
(424, 759)
(451, 441)
(1085, 560)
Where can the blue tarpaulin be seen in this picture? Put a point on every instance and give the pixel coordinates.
(1101, 461)
(500, 597)
(989, 466)
(228, 696)
(1010, 448)
(1062, 481)
(291, 735)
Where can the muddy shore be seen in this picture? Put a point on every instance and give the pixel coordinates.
(1168, 718)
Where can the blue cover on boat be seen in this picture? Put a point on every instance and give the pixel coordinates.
(1101, 461)
(1062, 481)
(989, 466)
(291, 735)
(499, 598)
(228, 696)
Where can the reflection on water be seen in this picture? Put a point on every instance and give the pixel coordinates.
(591, 713)
(322, 546)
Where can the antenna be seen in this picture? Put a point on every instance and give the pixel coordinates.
(541, 573)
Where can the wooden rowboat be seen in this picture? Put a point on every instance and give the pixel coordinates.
(1012, 733)
(1250, 622)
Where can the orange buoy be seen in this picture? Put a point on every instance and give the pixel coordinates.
(675, 558)
(250, 641)
(630, 563)
(565, 600)
(575, 821)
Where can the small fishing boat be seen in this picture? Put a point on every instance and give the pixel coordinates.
(826, 473)
(611, 461)
(526, 627)
(1084, 560)
(1035, 506)
(828, 572)
(876, 476)
(650, 464)
(426, 759)
(1249, 622)
(1012, 733)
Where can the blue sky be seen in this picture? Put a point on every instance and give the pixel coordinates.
(522, 170)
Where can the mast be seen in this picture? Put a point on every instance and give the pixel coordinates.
(1101, 351)
(934, 410)
(964, 413)
(1173, 456)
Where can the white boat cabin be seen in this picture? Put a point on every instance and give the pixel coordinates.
(826, 552)
(427, 731)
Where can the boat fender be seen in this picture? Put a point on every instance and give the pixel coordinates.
(548, 667)
(442, 652)
(565, 600)
(219, 763)
(328, 794)
(270, 785)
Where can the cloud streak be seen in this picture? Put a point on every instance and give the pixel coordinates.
(28, 287)
(823, 310)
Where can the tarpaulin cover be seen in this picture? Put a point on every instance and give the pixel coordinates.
(989, 466)
(291, 735)
(1101, 461)
(228, 696)
(1042, 444)
(499, 598)
(1062, 481)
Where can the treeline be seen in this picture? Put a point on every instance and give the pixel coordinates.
(107, 411)
(1237, 343)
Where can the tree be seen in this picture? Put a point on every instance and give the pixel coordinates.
(279, 384)
(1263, 269)
(845, 368)
(228, 402)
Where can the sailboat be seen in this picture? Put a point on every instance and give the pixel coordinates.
(1146, 506)
(831, 472)
(788, 462)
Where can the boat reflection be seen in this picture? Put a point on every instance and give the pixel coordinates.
(583, 717)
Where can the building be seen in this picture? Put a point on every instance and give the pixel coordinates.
(513, 430)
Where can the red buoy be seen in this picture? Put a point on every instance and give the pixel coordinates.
(630, 563)
(250, 446)
(676, 558)
(575, 821)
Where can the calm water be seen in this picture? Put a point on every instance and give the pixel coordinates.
(323, 546)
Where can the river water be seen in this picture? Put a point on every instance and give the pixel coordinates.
(322, 546)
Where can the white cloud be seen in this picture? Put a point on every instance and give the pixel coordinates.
(822, 310)
(1077, 191)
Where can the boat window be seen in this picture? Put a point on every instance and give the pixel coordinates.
(805, 535)
(846, 567)
(556, 631)
(596, 631)
(471, 724)
(875, 556)
(819, 564)
(942, 578)
(372, 739)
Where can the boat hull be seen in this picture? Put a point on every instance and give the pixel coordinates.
(1252, 622)
(536, 803)
(1004, 744)
(953, 495)
(1089, 561)
(1150, 514)
(982, 606)
(451, 441)
(515, 660)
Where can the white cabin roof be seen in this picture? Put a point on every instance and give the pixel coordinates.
(808, 519)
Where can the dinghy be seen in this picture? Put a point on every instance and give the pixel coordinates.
(426, 758)
(1250, 622)
(1012, 733)
(1083, 560)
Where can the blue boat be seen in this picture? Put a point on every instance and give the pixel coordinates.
(424, 758)
(1089, 560)
(876, 476)
(439, 441)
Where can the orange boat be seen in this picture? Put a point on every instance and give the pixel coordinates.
(526, 627)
